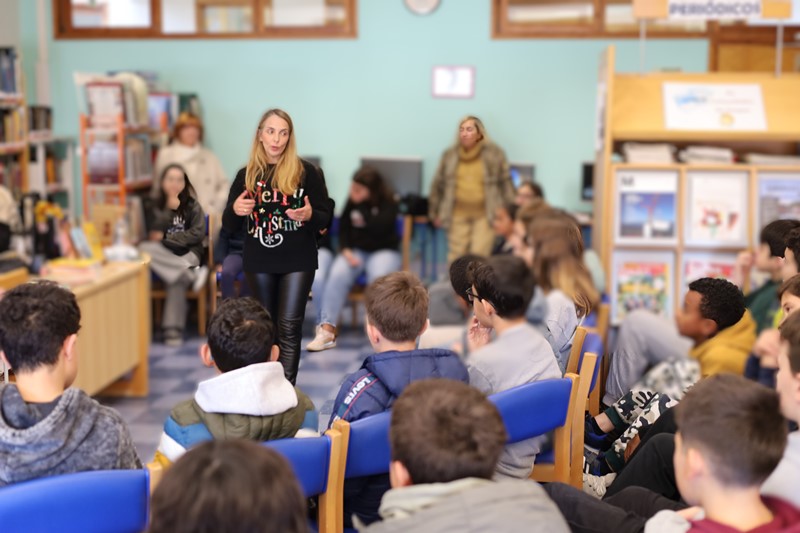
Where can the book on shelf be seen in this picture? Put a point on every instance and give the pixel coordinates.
(105, 102)
(12, 125)
(10, 73)
(11, 175)
(40, 121)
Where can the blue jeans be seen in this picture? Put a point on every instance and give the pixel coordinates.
(231, 268)
(342, 277)
(324, 260)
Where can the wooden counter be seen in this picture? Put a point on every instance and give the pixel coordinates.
(114, 339)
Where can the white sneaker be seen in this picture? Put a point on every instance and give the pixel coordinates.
(324, 340)
(201, 277)
(597, 485)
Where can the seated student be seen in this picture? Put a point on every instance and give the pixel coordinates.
(553, 248)
(446, 438)
(397, 313)
(791, 255)
(449, 311)
(229, 486)
(768, 258)
(48, 428)
(501, 290)
(763, 362)
(368, 243)
(712, 328)
(228, 252)
(731, 437)
(250, 398)
(503, 226)
(176, 228)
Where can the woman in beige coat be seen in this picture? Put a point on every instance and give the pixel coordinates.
(202, 166)
(472, 181)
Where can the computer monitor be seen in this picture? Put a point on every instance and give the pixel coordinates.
(521, 172)
(587, 182)
(404, 174)
(313, 159)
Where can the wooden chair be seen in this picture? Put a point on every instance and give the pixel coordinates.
(594, 344)
(536, 409)
(576, 351)
(366, 449)
(158, 292)
(109, 501)
(156, 471)
(318, 463)
(553, 468)
(405, 224)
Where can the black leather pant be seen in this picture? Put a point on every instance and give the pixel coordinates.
(285, 297)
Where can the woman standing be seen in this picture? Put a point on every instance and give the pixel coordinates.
(471, 182)
(283, 202)
(202, 166)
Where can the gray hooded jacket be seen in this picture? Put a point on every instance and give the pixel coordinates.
(72, 434)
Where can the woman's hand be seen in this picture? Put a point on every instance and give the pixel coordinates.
(351, 258)
(302, 214)
(156, 236)
(478, 335)
(244, 204)
(173, 202)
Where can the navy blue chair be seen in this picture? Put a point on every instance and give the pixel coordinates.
(318, 464)
(113, 501)
(538, 408)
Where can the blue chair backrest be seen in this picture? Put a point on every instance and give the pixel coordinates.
(310, 460)
(533, 409)
(368, 450)
(593, 343)
(113, 501)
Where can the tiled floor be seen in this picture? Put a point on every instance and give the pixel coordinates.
(175, 372)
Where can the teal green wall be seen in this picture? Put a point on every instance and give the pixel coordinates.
(372, 95)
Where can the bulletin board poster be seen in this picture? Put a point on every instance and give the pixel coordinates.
(646, 209)
(717, 209)
(714, 107)
(642, 280)
(778, 197)
(704, 265)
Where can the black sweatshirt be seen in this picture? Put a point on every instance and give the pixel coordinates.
(182, 234)
(369, 228)
(274, 243)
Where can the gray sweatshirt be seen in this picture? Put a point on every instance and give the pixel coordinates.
(71, 434)
(519, 356)
(468, 505)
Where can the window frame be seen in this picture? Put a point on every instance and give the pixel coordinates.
(63, 28)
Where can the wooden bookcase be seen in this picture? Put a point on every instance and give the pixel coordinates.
(631, 109)
(14, 150)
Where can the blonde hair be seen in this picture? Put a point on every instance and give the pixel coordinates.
(558, 260)
(287, 172)
(478, 126)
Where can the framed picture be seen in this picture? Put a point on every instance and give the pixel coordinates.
(696, 265)
(453, 82)
(716, 203)
(778, 197)
(646, 207)
(642, 280)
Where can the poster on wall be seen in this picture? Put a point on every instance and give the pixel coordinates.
(717, 209)
(642, 280)
(696, 265)
(646, 209)
(778, 197)
(714, 107)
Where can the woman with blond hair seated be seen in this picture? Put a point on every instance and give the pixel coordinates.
(204, 169)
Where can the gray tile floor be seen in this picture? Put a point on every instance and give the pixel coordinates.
(175, 373)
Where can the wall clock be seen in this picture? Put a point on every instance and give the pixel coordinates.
(422, 7)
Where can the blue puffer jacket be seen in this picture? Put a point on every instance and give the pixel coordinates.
(372, 390)
(383, 377)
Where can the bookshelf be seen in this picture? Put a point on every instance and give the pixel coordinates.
(13, 123)
(658, 226)
(116, 160)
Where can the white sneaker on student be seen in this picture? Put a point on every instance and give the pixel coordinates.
(597, 485)
(324, 340)
(201, 277)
